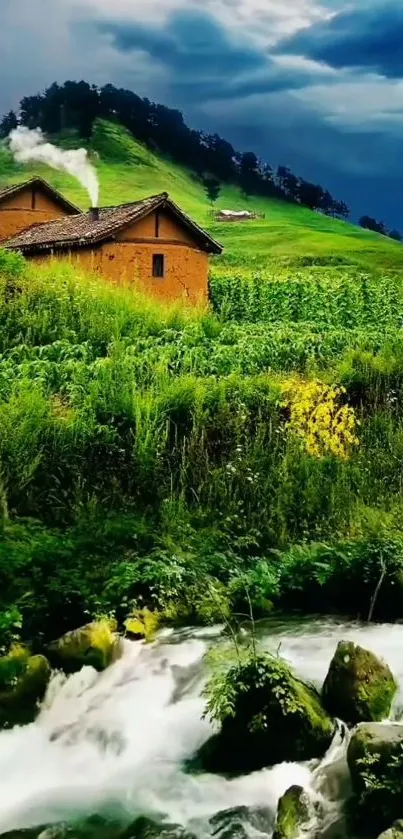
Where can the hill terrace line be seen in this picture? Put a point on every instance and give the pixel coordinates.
(150, 242)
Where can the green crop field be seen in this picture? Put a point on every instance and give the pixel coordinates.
(128, 171)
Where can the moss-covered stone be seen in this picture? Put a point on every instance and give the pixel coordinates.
(23, 682)
(293, 812)
(276, 718)
(394, 832)
(142, 624)
(96, 644)
(375, 759)
(358, 687)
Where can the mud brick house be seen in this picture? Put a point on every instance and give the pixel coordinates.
(151, 243)
(32, 202)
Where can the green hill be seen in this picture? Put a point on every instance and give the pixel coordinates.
(287, 233)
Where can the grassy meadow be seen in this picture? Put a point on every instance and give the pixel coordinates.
(191, 459)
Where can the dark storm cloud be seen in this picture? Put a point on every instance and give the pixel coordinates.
(202, 60)
(190, 42)
(370, 37)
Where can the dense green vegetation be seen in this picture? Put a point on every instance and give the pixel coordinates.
(255, 446)
(143, 448)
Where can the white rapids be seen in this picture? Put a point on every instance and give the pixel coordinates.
(116, 743)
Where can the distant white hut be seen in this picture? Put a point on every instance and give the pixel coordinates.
(236, 215)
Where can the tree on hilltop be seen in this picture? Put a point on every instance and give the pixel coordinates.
(212, 188)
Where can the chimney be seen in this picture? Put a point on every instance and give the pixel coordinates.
(94, 213)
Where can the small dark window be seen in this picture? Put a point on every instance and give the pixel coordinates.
(158, 265)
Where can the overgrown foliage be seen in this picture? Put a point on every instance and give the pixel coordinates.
(143, 448)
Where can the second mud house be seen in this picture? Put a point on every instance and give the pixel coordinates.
(151, 243)
(28, 203)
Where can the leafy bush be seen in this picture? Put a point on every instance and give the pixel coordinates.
(252, 672)
(378, 805)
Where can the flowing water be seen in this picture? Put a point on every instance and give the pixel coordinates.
(115, 743)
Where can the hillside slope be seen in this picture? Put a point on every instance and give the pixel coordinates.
(128, 171)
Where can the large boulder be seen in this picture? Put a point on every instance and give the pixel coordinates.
(97, 645)
(23, 682)
(375, 759)
(293, 812)
(359, 687)
(275, 717)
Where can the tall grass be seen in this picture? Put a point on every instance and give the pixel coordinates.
(105, 394)
(114, 406)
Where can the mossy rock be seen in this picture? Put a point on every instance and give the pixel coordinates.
(375, 760)
(293, 812)
(96, 645)
(394, 832)
(359, 687)
(23, 682)
(142, 624)
(276, 718)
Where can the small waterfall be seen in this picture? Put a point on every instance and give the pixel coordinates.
(115, 743)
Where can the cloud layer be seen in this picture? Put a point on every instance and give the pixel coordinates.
(368, 37)
(308, 83)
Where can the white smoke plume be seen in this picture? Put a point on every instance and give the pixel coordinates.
(29, 145)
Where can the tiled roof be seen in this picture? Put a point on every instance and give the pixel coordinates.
(39, 183)
(85, 229)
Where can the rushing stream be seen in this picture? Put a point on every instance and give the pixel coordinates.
(114, 744)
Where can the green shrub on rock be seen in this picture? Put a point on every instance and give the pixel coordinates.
(266, 715)
(23, 682)
(358, 687)
(375, 759)
(96, 645)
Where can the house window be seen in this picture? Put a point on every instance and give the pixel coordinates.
(158, 265)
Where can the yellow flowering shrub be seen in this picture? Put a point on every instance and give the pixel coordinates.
(319, 418)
